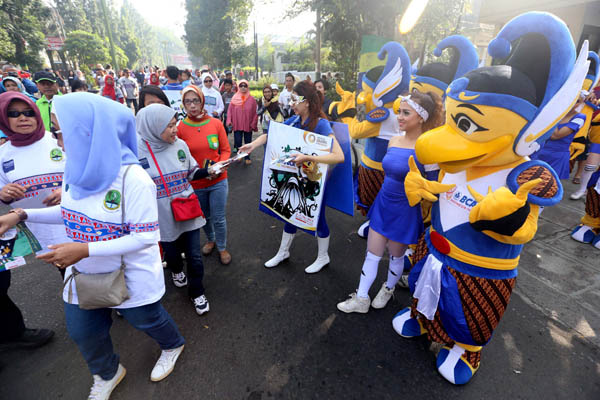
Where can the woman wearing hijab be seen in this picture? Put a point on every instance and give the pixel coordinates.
(102, 174)
(159, 147)
(35, 184)
(207, 141)
(154, 79)
(109, 90)
(13, 84)
(213, 102)
(242, 116)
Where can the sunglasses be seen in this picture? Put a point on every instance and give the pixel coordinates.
(16, 114)
(295, 100)
(55, 132)
(208, 81)
(243, 85)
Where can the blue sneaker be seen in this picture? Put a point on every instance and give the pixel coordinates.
(453, 367)
(583, 234)
(406, 326)
(596, 241)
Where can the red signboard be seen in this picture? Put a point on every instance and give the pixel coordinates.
(54, 43)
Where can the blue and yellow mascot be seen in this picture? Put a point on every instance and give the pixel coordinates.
(490, 193)
(380, 87)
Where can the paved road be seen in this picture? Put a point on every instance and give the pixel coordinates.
(277, 333)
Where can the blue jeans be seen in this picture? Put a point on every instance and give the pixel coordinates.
(213, 200)
(90, 330)
(189, 242)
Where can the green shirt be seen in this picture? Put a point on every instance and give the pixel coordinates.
(45, 107)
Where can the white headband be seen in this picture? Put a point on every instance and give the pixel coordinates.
(417, 107)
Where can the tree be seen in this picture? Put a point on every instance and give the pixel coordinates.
(214, 30)
(87, 48)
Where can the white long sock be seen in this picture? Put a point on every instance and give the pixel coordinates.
(586, 175)
(394, 271)
(368, 274)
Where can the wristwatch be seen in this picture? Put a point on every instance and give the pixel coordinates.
(20, 213)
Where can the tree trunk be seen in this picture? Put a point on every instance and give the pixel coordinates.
(318, 45)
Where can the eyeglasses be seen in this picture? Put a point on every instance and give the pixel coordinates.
(55, 132)
(243, 85)
(16, 114)
(187, 102)
(208, 81)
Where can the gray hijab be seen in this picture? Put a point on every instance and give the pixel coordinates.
(151, 121)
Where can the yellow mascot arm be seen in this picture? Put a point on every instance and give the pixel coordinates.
(345, 105)
(504, 216)
(578, 144)
(364, 129)
(594, 133)
(418, 188)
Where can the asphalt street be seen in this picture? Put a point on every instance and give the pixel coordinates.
(277, 333)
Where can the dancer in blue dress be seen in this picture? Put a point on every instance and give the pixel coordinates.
(394, 223)
(556, 150)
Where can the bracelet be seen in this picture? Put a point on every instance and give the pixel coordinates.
(20, 213)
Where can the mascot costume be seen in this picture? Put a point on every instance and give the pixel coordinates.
(380, 87)
(490, 193)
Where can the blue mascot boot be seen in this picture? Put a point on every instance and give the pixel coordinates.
(453, 366)
(406, 326)
(596, 241)
(583, 234)
(363, 230)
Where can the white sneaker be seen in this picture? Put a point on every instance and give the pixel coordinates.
(201, 305)
(355, 304)
(403, 282)
(165, 364)
(179, 280)
(383, 296)
(578, 195)
(102, 389)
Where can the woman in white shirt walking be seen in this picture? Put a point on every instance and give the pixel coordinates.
(101, 141)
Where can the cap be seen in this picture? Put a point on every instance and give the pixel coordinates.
(44, 76)
(227, 72)
(274, 86)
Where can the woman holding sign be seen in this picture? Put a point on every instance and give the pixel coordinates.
(306, 102)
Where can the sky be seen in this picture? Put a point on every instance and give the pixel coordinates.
(268, 15)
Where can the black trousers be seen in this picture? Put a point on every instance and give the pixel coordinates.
(13, 325)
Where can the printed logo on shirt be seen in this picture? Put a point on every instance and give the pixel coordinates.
(210, 100)
(181, 155)
(144, 163)
(213, 141)
(56, 154)
(8, 166)
(112, 200)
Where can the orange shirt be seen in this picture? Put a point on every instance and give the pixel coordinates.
(208, 144)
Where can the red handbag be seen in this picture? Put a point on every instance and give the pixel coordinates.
(183, 208)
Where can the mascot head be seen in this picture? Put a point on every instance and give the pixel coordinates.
(435, 77)
(497, 115)
(591, 80)
(383, 84)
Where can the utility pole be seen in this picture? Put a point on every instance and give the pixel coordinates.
(113, 53)
(256, 51)
(318, 45)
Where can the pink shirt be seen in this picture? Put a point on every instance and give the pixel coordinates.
(243, 118)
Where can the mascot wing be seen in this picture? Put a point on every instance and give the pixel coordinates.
(387, 83)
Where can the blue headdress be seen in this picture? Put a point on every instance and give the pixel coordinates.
(540, 79)
(394, 79)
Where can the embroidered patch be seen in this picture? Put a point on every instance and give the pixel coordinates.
(56, 154)
(144, 163)
(8, 166)
(213, 141)
(112, 200)
(181, 155)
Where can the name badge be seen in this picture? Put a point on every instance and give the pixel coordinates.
(8, 166)
(144, 163)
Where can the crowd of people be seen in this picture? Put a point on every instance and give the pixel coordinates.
(132, 184)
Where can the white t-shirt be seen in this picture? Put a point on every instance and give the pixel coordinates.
(96, 219)
(39, 165)
(284, 98)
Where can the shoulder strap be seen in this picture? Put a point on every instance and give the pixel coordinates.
(123, 208)
(158, 168)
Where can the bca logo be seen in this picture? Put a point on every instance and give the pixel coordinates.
(463, 199)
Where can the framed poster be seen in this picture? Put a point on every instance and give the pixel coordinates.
(288, 192)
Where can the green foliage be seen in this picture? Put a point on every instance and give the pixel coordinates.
(87, 47)
(214, 30)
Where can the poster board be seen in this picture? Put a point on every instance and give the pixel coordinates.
(290, 193)
(174, 97)
(340, 195)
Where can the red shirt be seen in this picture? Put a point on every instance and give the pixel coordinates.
(208, 144)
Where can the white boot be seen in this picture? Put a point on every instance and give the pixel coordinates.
(284, 250)
(322, 258)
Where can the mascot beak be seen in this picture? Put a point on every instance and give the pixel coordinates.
(449, 149)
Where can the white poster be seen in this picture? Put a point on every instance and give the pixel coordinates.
(294, 194)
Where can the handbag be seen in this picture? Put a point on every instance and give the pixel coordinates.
(183, 208)
(101, 290)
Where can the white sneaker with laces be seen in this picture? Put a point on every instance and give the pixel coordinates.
(179, 280)
(355, 304)
(165, 364)
(102, 389)
(383, 296)
(201, 305)
(578, 194)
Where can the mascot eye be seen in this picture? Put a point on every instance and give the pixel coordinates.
(466, 124)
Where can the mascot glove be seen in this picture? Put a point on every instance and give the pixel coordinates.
(418, 188)
(576, 149)
(505, 216)
(346, 103)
